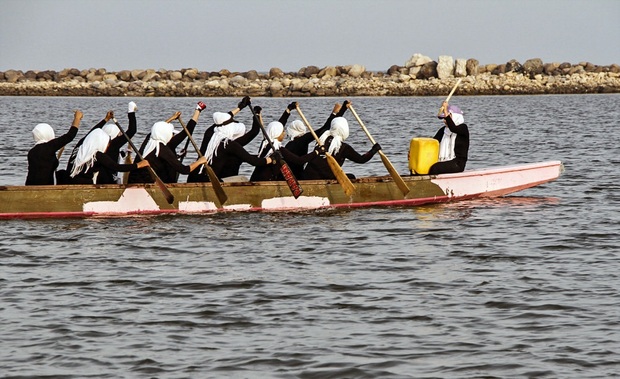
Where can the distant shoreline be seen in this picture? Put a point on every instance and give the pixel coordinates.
(420, 76)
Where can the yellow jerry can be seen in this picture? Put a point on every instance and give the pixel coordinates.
(423, 153)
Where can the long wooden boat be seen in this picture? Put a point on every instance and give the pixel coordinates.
(197, 198)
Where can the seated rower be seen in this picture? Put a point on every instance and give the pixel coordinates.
(42, 158)
(333, 142)
(276, 133)
(91, 159)
(225, 154)
(159, 151)
(117, 141)
(220, 119)
(453, 140)
(63, 176)
(301, 137)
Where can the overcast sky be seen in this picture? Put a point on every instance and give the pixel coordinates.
(242, 35)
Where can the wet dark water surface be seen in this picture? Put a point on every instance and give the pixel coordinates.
(521, 286)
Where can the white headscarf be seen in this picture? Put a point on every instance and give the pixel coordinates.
(274, 130)
(95, 141)
(224, 133)
(112, 130)
(339, 129)
(219, 118)
(296, 129)
(42, 133)
(161, 132)
(446, 146)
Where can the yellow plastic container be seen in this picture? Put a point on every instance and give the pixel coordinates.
(423, 153)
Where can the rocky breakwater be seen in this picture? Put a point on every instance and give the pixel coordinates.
(419, 76)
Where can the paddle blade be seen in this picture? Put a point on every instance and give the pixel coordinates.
(291, 181)
(217, 186)
(162, 186)
(395, 175)
(340, 175)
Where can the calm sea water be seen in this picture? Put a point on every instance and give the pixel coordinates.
(521, 286)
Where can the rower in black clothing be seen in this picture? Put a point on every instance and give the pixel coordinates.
(91, 159)
(301, 137)
(225, 154)
(63, 176)
(220, 119)
(159, 150)
(42, 159)
(117, 141)
(453, 141)
(333, 141)
(275, 132)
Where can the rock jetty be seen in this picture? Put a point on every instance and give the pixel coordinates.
(419, 76)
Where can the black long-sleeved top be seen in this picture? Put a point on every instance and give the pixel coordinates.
(234, 160)
(318, 168)
(107, 174)
(42, 160)
(227, 160)
(461, 143)
(299, 145)
(166, 165)
(102, 161)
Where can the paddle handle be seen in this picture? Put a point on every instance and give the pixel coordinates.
(451, 93)
(386, 162)
(359, 120)
(301, 114)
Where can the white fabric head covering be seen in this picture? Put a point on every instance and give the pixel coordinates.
(112, 130)
(224, 133)
(161, 132)
(339, 129)
(458, 119)
(296, 129)
(220, 118)
(238, 129)
(274, 130)
(95, 141)
(42, 133)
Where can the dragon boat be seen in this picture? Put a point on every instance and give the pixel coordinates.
(116, 200)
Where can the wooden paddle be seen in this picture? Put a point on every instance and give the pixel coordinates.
(162, 186)
(451, 93)
(386, 162)
(215, 181)
(286, 171)
(339, 173)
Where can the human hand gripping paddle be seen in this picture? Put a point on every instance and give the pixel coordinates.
(291, 181)
(162, 186)
(215, 181)
(450, 95)
(340, 175)
(386, 162)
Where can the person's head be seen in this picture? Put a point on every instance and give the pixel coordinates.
(162, 131)
(112, 130)
(275, 131)
(296, 129)
(42, 133)
(96, 141)
(339, 128)
(221, 118)
(456, 114)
